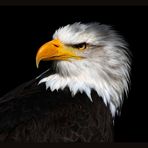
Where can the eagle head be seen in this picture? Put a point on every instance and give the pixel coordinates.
(88, 57)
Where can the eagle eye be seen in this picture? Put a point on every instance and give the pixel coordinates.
(80, 46)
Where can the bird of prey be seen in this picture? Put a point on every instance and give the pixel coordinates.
(78, 97)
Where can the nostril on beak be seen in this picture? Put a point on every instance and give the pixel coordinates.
(56, 45)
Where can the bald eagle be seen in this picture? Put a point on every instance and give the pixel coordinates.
(78, 97)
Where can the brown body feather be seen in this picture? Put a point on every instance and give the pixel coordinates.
(31, 114)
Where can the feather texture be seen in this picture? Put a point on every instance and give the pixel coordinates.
(105, 68)
(29, 113)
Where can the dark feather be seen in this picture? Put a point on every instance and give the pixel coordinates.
(29, 113)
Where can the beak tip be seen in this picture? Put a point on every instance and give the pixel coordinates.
(37, 64)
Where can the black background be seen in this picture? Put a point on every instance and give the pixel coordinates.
(24, 29)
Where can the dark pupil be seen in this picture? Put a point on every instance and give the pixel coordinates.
(81, 45)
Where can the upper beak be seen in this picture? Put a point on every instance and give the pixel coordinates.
(53, 50)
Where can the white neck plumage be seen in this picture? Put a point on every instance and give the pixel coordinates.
(84, 75)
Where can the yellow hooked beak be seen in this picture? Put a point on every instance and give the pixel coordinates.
(54, 50)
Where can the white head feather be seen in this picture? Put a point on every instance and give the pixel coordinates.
(104, 69)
